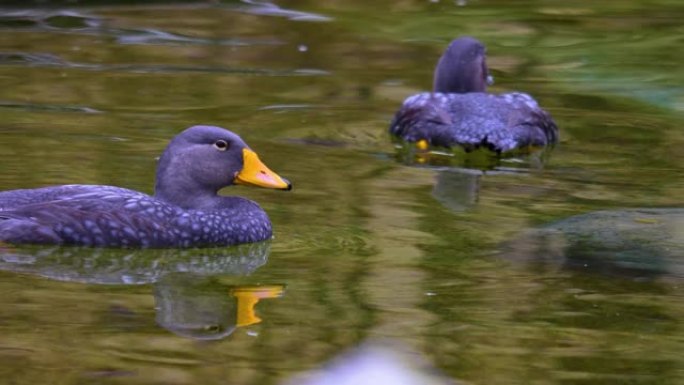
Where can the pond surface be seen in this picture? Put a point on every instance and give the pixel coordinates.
(490, 276)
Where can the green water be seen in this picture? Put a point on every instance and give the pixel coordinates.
(444, 260)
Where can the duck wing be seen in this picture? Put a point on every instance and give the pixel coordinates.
(17, 198)
(86, 215)
(106, 216)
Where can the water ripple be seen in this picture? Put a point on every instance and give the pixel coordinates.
(158, 37)
(65, 20)
(38, 59)
(73, 22)
(269, 9)
(48, 107)
(282, 107)
(50, 60)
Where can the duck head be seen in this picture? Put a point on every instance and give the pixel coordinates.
(203, 159)
(462, 68)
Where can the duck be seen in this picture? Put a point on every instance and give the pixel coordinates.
(459, 112)
(185, 210)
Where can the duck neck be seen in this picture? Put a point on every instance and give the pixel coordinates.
(184, 197)
(461, 69)
(460, 79)
(181, 190)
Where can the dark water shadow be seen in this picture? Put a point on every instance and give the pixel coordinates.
(637, 244)
(612, 276)
(190, 302)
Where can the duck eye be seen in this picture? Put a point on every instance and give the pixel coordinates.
(221, 145)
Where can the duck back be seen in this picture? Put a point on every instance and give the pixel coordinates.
(500, 123)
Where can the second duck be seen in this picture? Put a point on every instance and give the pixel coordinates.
(459, 111)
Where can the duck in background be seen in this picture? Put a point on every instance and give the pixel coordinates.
(185, 210)
(459, 111)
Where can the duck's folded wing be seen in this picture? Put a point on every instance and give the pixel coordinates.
(529, 124)
(424, 116)
(16, 198)
(500, 123)
(85, 222)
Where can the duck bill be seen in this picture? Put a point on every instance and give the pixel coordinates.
(255, 173)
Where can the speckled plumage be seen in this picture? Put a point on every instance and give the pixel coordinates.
(185, 211)
(460, 113)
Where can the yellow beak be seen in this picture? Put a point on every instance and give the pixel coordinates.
(255, 173)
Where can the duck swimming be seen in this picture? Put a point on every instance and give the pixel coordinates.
(459, 111)
(185, 210)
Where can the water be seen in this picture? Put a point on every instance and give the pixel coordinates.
(482, 275)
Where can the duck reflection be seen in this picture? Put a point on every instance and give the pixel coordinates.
(190, 300)
(199, 308)
(457, 189)
(459, 175)
(422, 154)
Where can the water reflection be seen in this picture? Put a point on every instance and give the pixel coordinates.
(387, 362)
(60, 21)
(603, 282)
(481, 159)
(50, 60)
(263, 8)
(641, 244)
(189, 301)
(199, 308)
(57, 20)
(457, 189)
(460, 174)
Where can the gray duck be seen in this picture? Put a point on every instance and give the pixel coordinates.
(185, 210)
(460, 112)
